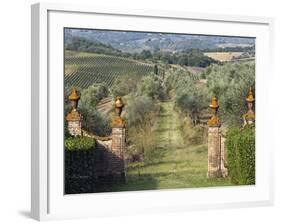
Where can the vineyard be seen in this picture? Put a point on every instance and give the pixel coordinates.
(84, 69)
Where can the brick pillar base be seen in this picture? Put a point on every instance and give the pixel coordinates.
(214, 152)
(75, 127)
(118, 148)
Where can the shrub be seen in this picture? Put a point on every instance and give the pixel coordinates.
(79, 143)
(192, 134)
(189, 97)
(94, 122)
(241, 155)
(139, 112)
(124, 85)
(152, 87)
(92, 95)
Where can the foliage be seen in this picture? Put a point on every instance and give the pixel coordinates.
(231, 83)
(192, 57)
(94, 122)
(155, 69)
(92, 95)
(143, 146)
(79, 171)
(152, 87)
(206, 72)
(125, 84)
(139, 111)
(241, 155)
(84, 45)
(145, 54)
(141, 114)
(190, 98)
(79, 143)
(192, 134)
(191, 101)
(231, 49)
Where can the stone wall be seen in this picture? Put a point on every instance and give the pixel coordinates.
(109, 162)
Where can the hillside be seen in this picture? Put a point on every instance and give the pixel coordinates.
(84, 69)
(137, 41)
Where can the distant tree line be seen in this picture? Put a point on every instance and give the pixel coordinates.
(84, 45)
(231, 49)
(192, 57)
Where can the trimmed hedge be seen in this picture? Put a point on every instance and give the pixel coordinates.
(79, 143)
(241, 155)
(79, 165)
(79, 171)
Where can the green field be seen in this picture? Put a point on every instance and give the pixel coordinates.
(180, 166)
(85, 69)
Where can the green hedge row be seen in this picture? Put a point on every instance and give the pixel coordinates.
(241, 155)
(79, 143)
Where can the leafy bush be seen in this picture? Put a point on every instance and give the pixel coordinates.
(241, 155)
(124, 84)
(141, 114)
(79, 143)
(192, 134)
(189, 97)
(139, 111)
(92, 95)
(152, 87)
(94, 122)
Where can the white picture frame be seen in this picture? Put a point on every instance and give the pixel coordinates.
(47, 198)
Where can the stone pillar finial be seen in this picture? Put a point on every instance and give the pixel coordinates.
(118, 121)
(74, 98)
(249, 117)
(74, 118)
(214, 121)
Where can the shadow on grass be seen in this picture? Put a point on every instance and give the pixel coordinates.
(136, 182)
(158, 163)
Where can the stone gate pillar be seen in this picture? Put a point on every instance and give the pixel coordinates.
(74, 118)
(118, 139)
(214, 143)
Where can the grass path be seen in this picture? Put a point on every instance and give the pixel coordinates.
(168, 128)
(179, 166)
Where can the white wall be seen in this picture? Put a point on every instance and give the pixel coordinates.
(15, 110)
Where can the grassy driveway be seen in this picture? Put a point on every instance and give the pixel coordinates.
(179, 166)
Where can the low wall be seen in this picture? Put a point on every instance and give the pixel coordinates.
(93, 170)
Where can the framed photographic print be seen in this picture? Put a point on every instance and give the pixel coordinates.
(148, 111)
